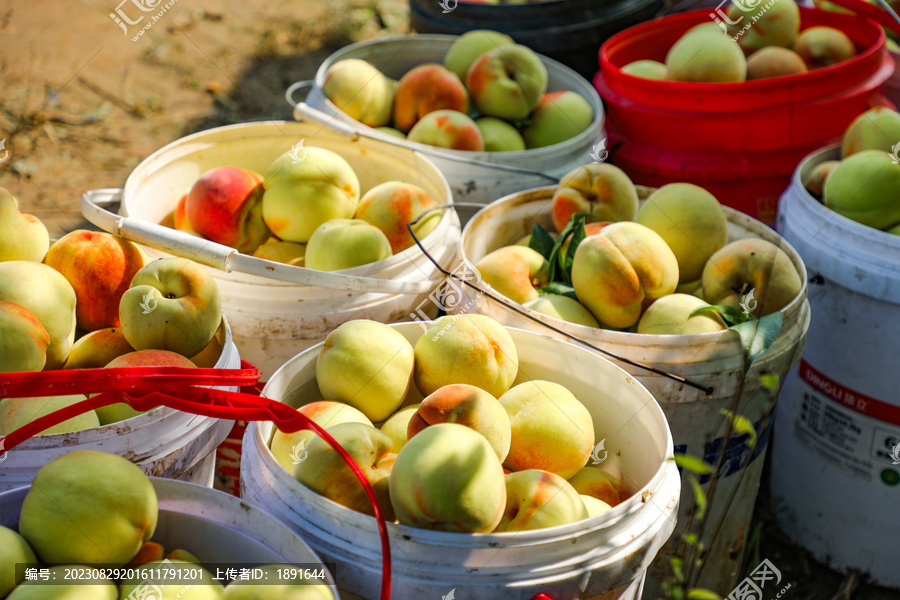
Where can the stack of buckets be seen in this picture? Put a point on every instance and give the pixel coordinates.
(740, 141)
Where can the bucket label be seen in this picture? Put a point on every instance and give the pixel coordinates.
(852, 431)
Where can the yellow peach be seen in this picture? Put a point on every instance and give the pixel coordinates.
(425, 89)
(448, 478)
(601, 189)
(287, 448)
(551, 429)
(467, 405)
(751, 265)
(390, 206)
(472, 349)
(622, 269)
(515, 272)
(597, 483)
(325, 472)
(361, 91)
(692, 223)
(537, 499)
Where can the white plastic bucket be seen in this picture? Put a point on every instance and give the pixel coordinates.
(163, 442)
(272, 320)
(606, 555)
(215, 527)
(712, 360)
(839, 416)
(394, 56)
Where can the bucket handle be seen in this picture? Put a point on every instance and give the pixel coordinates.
(304, 112)
(225, 258)
(515, 307)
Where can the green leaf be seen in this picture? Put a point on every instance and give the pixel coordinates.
(577, 236)
(692, 463)
(554, 260)
(677, 571)
(540, 241)
(690, 539)
(741, 425)
(730, 314)
(556, 288)
(701, 594)
(757, 335)
(699, 497)
(770, 381)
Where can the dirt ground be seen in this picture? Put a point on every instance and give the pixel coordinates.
(81, 104)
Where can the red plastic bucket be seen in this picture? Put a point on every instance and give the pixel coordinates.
(741, 141)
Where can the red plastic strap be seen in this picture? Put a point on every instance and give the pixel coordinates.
(90, 381)
(144, 388)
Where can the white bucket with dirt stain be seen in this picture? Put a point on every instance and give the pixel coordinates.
(835, 464)
(163, 442)
(217, 528)
(605, 556)
(713, 360)
(470, 182)
(273, 320)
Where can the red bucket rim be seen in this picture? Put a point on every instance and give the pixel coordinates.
(747, 94)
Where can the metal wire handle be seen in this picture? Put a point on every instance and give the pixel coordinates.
(708, 390)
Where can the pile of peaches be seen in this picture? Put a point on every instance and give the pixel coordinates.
(756, 41)
(490, 95)
(478, 454)
(865, 184)
(307, 211)
(88, 301)
(646, 270)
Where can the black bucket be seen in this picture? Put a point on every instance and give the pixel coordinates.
(570, 31)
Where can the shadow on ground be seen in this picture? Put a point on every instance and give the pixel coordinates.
(258, 93)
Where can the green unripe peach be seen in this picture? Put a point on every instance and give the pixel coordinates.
(865, 187)
(649, 69)
(703, 56)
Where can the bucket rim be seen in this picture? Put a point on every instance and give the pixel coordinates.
(588, 92)
(626, 337)
(175, 490)
(664, 89)
(258, 430)
(822, 212)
